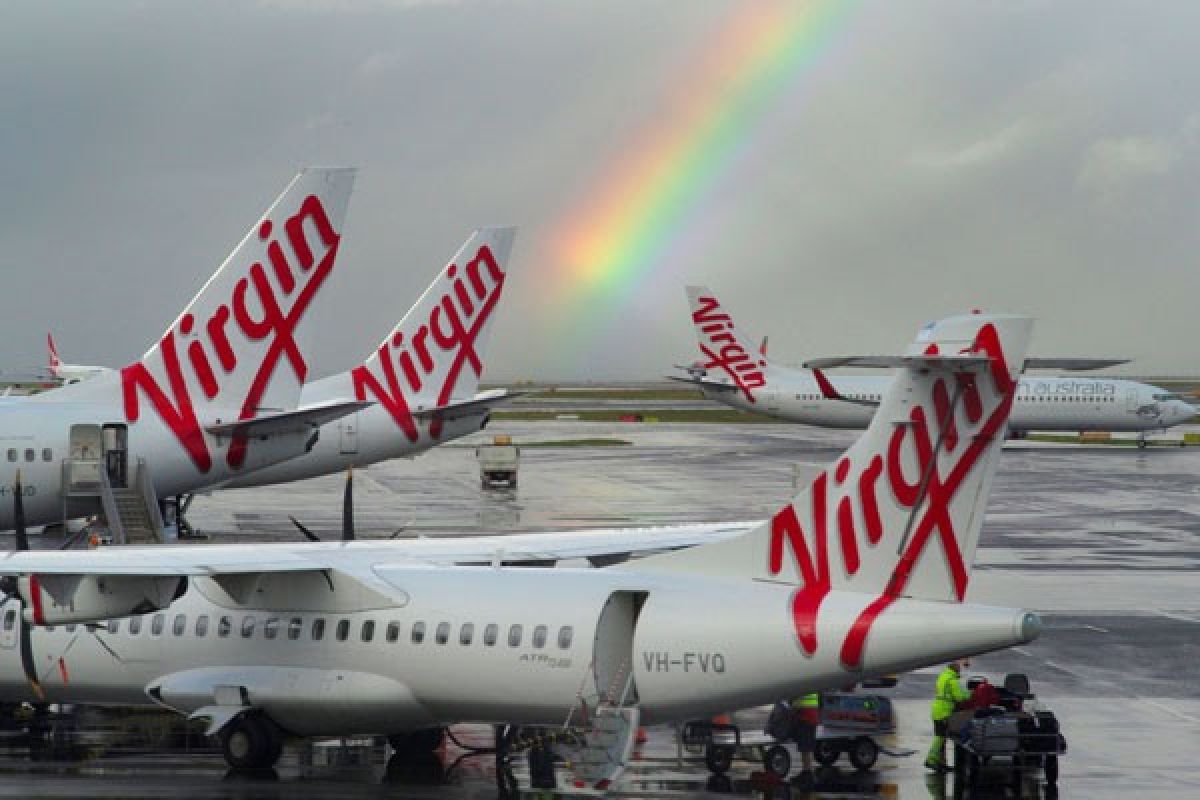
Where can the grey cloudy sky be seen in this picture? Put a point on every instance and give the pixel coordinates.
(937, 156)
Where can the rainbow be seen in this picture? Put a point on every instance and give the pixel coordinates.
(603, 250)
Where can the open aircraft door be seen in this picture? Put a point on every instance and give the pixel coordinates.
(612, 660)
(10, 623)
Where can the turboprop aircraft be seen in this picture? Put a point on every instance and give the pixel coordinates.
(732, 372)
(863, 573)
(217, 396)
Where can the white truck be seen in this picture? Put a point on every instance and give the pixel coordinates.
(498, 463)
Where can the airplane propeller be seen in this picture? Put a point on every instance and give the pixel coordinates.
(8, 585)
(347, 515)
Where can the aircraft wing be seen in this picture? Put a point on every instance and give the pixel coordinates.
(1074, 364)
(704, 383)
(479, 404)
(288, 421)
(933, 361)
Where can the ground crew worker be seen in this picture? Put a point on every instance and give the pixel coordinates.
(948, 695)
(806, 715)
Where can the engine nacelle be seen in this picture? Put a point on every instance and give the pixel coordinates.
(60, 599)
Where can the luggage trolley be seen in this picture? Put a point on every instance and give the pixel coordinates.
(1021, 731)
(849, 723)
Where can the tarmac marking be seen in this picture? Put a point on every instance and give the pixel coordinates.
(1173, 712)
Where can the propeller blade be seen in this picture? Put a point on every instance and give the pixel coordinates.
(19, 514)
(312, 537)
(348, 507)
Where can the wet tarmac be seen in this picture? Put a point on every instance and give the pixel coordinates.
(1103, 541)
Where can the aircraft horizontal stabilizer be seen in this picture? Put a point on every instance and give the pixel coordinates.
(704, 383)
(288, 421)
(1074, 364)
(931, 361)
(479, 404)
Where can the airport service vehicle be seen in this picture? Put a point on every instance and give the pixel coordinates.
(732, 372)
(218, 395)
(498, 462)
(849, 723)
(69, 373)
(421, 381)
(863, 573)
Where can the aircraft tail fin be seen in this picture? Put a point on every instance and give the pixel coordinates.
(899, 514)
(435, 355)
(55, 363)
(725, 354)
(240, 346)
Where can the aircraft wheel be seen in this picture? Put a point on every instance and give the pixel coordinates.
(251, 742)
(826, 752)
(863, 752)
(778, 760)
(718, 758)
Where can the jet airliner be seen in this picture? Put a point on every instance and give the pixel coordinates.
(733, 372)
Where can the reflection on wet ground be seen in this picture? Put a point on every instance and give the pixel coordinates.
(1104, 542)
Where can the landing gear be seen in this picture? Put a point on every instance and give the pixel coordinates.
(251, 742)
(506, 782)
(425, 740)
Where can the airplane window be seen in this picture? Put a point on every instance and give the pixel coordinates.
(248, 627)
(49, 629)
(12, 454)
(47, 454)
(393, 631)
(466, 633)
(224, 626)
(368, 630)
(114, 625)
(294, 628)
(514, 636)
(318, 629)
(271, 627)
(29, 454)
(72, 626)
(9, 619)
(343, 629)
(179, 625)
(135, 626)
(418, 632)
(564, 636)
(490, 633)
(539, 636)
(156, 624)
(202, 626)
(443, 633)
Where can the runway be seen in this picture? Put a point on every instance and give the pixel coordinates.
(1104, 542)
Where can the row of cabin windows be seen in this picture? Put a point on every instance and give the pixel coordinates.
(1052, 399)
(272, 627)
(869, 397)
(30, 454)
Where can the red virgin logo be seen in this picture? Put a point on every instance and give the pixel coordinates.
(723, 350)
(865, 528)
(453, 326)
(259, 310)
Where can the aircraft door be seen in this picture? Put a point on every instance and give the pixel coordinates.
(613, 654)
(116, 454)
(10, 623)
(348, 434)
(1131, 401)
(86, 446)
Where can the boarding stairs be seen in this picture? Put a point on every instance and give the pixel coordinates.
(131, 513)
(603, 740)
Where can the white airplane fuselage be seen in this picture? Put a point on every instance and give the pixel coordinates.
(56, 443)
(691, 651)
(1042, 404)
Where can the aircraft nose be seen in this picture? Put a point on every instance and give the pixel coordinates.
(1185, 410)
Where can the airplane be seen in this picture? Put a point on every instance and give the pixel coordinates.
(65, 373)
(421, 380)
(732, 372)
(864, 573)
(215, 397)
